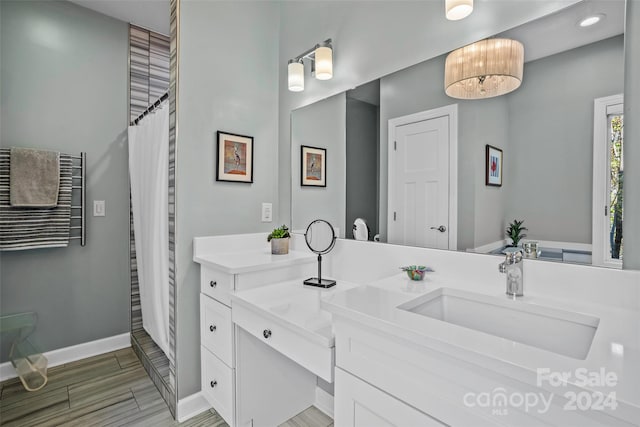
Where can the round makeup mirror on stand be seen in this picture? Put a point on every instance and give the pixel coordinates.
(321, 238)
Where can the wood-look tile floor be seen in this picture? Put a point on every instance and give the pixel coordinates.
(311, 417)
(111, 389)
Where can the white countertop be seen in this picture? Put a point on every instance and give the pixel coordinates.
(252, 260)
(615, 347)
(294, 306)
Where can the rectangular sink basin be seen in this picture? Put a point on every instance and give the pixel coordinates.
(562, 332)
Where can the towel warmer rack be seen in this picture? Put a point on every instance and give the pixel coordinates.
(78, 195)
(80, 165)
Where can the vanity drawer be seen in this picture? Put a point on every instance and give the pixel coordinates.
(311, 355)
(216, 329)
(216, 284)
(217, 385)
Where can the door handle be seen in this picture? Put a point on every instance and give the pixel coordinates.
(441, 229)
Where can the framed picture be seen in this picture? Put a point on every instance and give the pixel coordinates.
(235, 158)
(493, 166)
(313, 167)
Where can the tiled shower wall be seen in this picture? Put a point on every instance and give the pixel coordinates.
(149, 68)
(173, 97)
(148, 81)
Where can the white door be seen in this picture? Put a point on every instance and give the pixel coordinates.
(419, 184)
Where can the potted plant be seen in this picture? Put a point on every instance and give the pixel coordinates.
(515, 232)
(279, 239)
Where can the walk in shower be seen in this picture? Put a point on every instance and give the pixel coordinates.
(152, 290)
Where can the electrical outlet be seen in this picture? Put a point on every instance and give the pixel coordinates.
(267, 209)
(99, 208)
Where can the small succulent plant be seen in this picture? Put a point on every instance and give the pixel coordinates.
(279, 233)
(515, 232)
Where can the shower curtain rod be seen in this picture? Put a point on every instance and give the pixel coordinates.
(150, 108)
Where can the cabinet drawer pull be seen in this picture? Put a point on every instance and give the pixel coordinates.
(212, 328)
(266, 333)
(214, 384)
(213, 284)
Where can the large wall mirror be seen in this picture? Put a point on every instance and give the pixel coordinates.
(545, 131)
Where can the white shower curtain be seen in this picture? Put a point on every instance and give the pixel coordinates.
(149, 175)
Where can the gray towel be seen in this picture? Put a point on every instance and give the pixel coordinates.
(34, 178)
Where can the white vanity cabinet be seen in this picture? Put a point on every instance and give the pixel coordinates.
(284, 343)
(221, 275)
(393, 370)
(359, 404)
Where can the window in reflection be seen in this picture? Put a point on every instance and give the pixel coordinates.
(616, 184)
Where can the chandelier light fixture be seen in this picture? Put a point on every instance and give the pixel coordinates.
(484, 69)
(321, 59)
(456, 10)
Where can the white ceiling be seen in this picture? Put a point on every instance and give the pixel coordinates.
(546, 36)
(560, 31)
(150, 14)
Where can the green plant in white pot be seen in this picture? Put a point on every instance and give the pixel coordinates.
(516, 232)
(279, 239)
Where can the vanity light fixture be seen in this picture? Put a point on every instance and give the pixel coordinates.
(484, 69)
(296, 75)
(591, 20)
(456, 10)
(321, 58)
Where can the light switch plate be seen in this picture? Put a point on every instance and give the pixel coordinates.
(99, 208)
(267, 209)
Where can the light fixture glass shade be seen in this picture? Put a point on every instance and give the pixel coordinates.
(296, 76)
(324, 63)
(458, 9)
(484, 69)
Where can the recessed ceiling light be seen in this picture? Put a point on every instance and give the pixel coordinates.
(591, 20)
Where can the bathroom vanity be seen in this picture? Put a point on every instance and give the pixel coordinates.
(229, 265)
(450, 350)
(466, 358)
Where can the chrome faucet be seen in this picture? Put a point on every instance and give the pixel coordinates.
(512, 267)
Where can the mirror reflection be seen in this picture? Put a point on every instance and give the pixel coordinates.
(415, 165)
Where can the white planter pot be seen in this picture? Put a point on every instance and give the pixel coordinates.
(280, 246)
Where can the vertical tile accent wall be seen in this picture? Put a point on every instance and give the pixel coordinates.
(173, 103)
(149, 68)
(148, 81)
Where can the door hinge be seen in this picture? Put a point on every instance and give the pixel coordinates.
(395, 145)
(606, 211)
(394, 216)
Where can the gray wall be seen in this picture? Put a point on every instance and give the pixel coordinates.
(550, 162)
(228, 74)
(632, 137)
(486, 123)
(64, 88)
(362, 151)
(320, 125)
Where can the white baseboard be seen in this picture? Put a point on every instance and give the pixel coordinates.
(191, 406)
(324, 401)
(76, 352)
